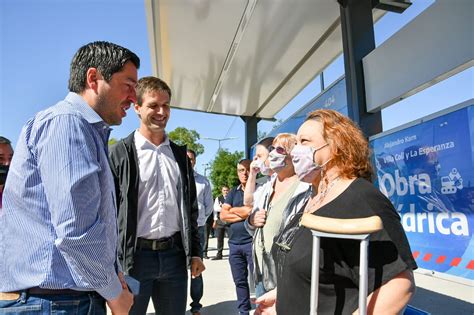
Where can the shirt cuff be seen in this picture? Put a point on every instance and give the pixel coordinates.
(250, 228)
(111, 291)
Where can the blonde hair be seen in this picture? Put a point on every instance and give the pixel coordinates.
(287, 140)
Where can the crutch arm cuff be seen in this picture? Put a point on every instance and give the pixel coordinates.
(342, 226)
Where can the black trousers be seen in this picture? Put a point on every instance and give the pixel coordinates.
(207, 233)
(220, 233)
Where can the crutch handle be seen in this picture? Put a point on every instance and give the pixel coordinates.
(342, 226)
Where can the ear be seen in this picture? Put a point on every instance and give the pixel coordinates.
(137, 107)
(92, 78)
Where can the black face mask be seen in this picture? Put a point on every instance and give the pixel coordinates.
(3, 173)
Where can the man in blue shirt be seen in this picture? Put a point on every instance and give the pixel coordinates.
(240, 242)
(58, 235)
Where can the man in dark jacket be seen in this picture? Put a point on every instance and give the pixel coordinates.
(157, 207)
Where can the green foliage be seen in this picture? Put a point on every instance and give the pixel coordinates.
(224, 170)
(112, 141)
(183, 136)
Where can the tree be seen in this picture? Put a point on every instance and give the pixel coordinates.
(183, 136)
(112, 141)
(224, 170)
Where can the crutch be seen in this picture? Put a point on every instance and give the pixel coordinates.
(356, 229)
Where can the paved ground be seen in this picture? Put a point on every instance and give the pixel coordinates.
(219, 291)
(433, 295)
(439, 296)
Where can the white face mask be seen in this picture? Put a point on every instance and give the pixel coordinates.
(259, 166)
(303, 162)
(277, 161)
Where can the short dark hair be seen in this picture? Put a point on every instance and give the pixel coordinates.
(266, 142)
(4, 140)
(192, 152)
(148, 84)
(242, 161)
(107, 58)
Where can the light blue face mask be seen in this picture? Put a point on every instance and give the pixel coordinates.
(303, 162)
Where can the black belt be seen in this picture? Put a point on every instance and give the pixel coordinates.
(160, 244)
(42, 291)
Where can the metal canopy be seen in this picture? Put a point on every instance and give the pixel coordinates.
(241, 57)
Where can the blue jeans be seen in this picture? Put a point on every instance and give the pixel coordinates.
(84, 304)
(240, 259)
(197, 285)
(163, 277)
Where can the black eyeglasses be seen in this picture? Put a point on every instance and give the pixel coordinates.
(278, 149)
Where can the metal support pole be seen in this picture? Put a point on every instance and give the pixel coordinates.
(358, 41)
(363, 268)
(250, 133)
(321, 80)
(363, 276)
(315, 276)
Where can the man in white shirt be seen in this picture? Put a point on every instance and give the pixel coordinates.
(204, 199)
(157, 206)
(219, 225)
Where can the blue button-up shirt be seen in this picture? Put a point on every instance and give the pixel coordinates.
(58, 227)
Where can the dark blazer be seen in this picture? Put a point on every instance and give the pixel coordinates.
(124, 164)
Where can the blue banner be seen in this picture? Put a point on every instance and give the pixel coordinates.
(427, 171)
(333, 98)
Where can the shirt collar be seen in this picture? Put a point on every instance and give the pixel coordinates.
(83, 108)
(142, 143)
(198, 176)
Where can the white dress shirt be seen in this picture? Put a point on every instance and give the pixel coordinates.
(217, 208)
(158, 210)
(204, 198)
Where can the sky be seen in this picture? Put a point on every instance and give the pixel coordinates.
(38, 39)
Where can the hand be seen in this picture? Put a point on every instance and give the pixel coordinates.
(254, 167)
(266, 303)
(122, 304)
(259, 218)
(214, 224)
(122, 281)
(197, 267)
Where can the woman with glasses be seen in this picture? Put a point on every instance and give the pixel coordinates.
(333, 155)
(268, 214)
